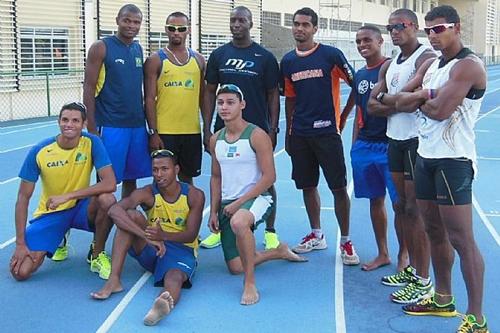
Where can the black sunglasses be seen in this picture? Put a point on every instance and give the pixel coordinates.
(162, 152)
(174, 28)
(397, 26)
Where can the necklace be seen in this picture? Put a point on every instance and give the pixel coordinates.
(176, 59)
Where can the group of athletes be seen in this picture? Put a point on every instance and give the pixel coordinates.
(413, 135)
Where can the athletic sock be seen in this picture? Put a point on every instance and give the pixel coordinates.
(317, 233)
(344, 239)
(423, 281)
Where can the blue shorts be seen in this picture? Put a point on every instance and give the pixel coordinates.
(177, 256)
(128, 151)
(46, 232)
(370, 170)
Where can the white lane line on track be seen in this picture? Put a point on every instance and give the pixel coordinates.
(7, 243)
(340, 326)
(118, 310)
(8, 180)
(27, 129)
(123, 303)
(488, 113)
(16, 148)
(29, 124)
(485, 220)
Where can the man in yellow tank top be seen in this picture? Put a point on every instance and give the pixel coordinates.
(173, 87)
(165, 241)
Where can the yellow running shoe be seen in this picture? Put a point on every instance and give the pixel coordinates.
(271, 240)
(102, 265)
(213, 240)
(61, 252)
(470, 325)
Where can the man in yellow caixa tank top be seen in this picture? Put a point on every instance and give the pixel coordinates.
(173, 87)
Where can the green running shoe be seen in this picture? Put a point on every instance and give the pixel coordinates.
(413, 292)
(470, 325)
(61, 252)
(400, 279)
(271, 240)
(101, 265)
(213, 240)
(429, 307)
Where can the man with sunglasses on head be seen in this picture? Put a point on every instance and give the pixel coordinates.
(64, 164)
(163, 239)
(312, 74)
(449, 102)
(112, 92)
(242, 173)
(255, 70)
(173, 88)
(394, 77)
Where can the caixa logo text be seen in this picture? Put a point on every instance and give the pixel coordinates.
(240, 63)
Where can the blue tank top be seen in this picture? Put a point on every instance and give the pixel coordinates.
(119, 100)
(371, 128)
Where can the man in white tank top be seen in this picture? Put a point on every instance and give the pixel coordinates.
(449, 101)
(395, 77)
(242, 172)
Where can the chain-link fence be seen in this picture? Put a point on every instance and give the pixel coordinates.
(38, 94)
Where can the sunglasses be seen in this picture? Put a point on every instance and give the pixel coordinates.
(174, 28)
(232, 88)
(162, 152)
(439, 28)
(398, 26)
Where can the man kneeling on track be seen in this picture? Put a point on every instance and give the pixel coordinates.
(64, 163)
(165, 241)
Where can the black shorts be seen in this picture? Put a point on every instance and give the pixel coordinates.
(402, 155)
(187, 147)
(309, 153)
(447, 181)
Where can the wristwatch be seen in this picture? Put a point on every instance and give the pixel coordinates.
(152, 131)
(275, 129)
(380, 96)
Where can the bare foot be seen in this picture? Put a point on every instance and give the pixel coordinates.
(161, 307)
(250, 295)
(376, 263)
(287, 254)
(110, 287)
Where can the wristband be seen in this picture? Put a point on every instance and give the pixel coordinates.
(431, 93)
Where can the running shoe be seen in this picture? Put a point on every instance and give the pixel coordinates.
(310, 242)
(102, 265)
(213, 240)
(61, 252)
(429, 307)
(400, 279)
(271, 240)
(91, 250)
(469, 325)
(348, 254)
(413, 292)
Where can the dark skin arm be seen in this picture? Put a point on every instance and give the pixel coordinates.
(203, 66)
(347, 110)
(387, 107)
(196, 201)
(466, 74)
(273, 104)
(152, 68)
(95, 58)
(207, 111)
(118, 213)
(21, 215)
(215, 188)
(289, 109)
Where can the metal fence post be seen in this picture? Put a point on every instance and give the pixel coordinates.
(47, 86)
